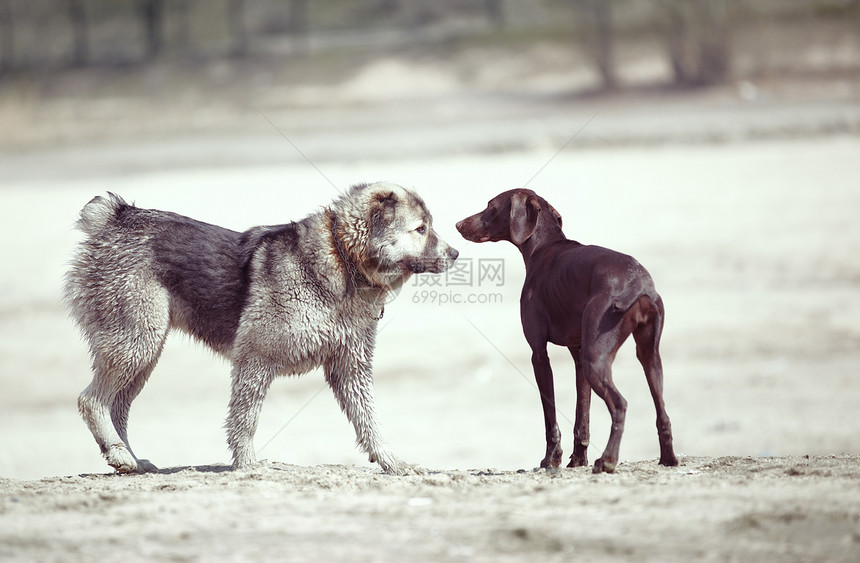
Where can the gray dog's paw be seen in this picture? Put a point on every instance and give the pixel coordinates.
(404, 468)
(124, 461)
(392, 465)
(121, 459)
(250, 464)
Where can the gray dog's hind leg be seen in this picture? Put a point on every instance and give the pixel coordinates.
(121, 366)
(94, 406)
(351, 380)
(104, 406)
(250, 385)
(122, 404)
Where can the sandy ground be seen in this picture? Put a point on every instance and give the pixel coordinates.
(746, 216)
(708, 509)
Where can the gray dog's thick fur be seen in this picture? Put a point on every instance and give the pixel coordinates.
(277, 300)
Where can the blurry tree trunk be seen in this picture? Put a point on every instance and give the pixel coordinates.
(600, 39)
(495, 11)
(80, 45)
(605, 49)
(298, 24)
(697, 40)
(183, 26)
(714, 47)
(152, 15)
(236, 15)
(7, 39)
(298, 17)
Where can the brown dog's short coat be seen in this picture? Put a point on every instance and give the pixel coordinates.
(589, 299)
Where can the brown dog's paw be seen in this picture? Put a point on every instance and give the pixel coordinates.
(578, 461)
(603, 466)
(669, 460)
(553, 457)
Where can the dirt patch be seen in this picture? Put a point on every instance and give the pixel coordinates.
(785, 508)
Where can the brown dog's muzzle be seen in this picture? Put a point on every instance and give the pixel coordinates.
(472, 229)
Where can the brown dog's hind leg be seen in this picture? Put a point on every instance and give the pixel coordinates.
(603, 333)
(617, 405)
(647, 337)
(581, 432)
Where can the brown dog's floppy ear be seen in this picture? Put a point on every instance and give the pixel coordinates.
(555, 214)
(524, 213)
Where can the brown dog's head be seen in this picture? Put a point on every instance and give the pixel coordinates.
(513, 216)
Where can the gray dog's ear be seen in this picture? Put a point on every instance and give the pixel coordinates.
(524, 213)
(382, 210)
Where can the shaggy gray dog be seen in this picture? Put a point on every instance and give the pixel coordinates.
(277, 300)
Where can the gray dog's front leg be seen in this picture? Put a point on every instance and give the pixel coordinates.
(351, 380)
(250, 384)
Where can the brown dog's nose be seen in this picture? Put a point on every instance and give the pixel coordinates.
(460, 225)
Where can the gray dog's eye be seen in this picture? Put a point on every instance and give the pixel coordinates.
(421, 230)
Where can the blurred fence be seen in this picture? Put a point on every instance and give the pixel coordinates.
(696, 34)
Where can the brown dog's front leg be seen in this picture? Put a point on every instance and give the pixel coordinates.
(543, 376)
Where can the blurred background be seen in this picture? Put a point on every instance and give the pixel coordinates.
(76, 70)
(715, 140)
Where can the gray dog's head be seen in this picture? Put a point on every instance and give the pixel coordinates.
(390, 234)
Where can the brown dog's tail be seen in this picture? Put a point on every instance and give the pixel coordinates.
(639, 285)
(623, 303)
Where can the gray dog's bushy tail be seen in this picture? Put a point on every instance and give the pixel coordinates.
(94, 218)
(99, 212)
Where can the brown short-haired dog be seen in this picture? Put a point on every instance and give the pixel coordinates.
(589, 299)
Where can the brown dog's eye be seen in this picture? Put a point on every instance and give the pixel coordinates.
(421, 230)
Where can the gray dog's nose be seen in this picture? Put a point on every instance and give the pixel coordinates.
(453, 253)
